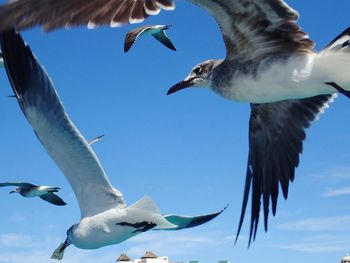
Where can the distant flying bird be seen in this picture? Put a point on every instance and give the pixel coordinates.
(105, 218)
(30, 190)
(157, 31)
(270, 63)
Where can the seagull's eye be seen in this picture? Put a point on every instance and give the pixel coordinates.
(198, 70)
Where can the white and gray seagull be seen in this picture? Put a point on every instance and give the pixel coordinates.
(157, 31)
(30, 190)
(105, 218)
(270, 63)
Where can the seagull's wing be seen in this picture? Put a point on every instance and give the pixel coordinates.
(276, 134)
(256, 28)
(62, 140)
(132, 35)
(52, 14)
(1, 60)
(19, 184)
(181, 221)
(53, 199)
(164, 39)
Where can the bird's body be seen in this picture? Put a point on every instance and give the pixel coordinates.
(105, 228)
(36, 191)
(268, 81)
(105, 218)
(30, 190)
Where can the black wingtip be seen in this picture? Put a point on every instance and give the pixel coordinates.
(126, 48)
(18, 61)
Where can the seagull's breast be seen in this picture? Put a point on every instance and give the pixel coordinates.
(102, 230)
(276, 79)
(31, 192)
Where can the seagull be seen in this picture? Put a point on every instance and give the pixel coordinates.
(1, 60)
(30, 190)
(157, 31)
(105, 218)
(270, 63)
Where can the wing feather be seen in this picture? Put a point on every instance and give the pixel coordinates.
(53, 14)
(276, 134)
(19, 184)
(255, 28)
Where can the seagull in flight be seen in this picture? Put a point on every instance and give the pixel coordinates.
(270, 63)
(105, 218)
(30, 190)
(157, 31)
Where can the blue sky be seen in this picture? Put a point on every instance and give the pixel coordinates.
(187, 151)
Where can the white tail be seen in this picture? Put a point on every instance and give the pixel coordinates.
(334, 60)
(146, 209)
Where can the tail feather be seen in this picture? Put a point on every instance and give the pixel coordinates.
(146, 209)
(341, 42)
(333, 62)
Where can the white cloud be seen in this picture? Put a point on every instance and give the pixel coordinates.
(337, 192)
(341, 173)
(173, 245)
(176, 244)
(334, 223)
(320, 243)
(15, 240)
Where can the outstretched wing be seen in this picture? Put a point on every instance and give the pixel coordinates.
(132, 35)
(256, 28)
(19, 184)
(164, 39)
(181, 221)
(53, 199)
(250, 29)
(276, 134)
(52, 14)
(57, 133)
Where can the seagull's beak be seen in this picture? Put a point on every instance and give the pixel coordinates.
(181, 85)
(14, 191)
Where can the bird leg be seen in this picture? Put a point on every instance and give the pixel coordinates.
(339, 89)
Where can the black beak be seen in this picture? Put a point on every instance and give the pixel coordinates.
(181, 85)
(12, 192)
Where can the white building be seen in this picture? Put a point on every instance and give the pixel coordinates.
(149, 257)
(345, 259)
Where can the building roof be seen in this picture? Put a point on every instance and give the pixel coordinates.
(149, 254)
(123, 257)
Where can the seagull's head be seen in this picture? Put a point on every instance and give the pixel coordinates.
(70, 234)
(17, 190)
(68, 241)
(59, 252)
(200, 76)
